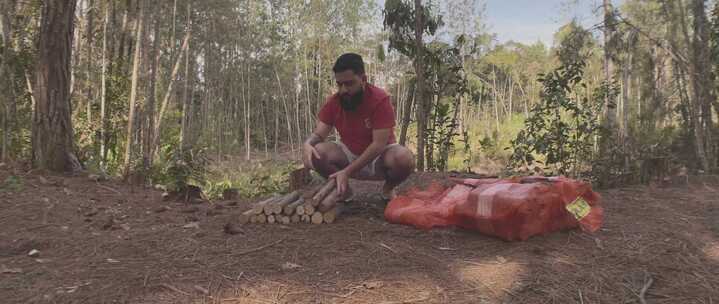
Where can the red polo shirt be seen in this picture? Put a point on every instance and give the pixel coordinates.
(355, 128)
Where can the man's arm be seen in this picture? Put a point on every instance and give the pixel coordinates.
(322, 130)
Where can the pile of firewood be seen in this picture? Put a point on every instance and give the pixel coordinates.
(316, 206)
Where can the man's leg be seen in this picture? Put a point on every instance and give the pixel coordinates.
(396, 164)
(332, 159)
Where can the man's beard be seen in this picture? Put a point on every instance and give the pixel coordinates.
(350, 102)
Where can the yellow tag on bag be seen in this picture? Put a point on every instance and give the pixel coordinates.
(579, 208)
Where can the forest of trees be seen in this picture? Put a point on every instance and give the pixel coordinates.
(126, 86)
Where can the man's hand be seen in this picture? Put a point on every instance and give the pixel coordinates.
(342, 178)
(308, 152)
(322, 130)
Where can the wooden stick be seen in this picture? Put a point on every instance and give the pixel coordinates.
(295, 218)
(246, 216)
(307, 195)
(330, 216)
(260, 207)
(326, 189)
(279, 205)
(271, 219)
(290, 208)
(317, 218)
(305, 218)
(329, 201)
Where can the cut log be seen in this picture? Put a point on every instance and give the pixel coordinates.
(261, 218)
(271, 219)
(260, 207)
(309, 209)
(284, 219)
(287, 199)
(295, 218)
(253, 219)
(290, 208)
(300, 210)
(331, 215)
(317, 218)
(326, 189)
(329, 201)
(305, 218)
(245, 216)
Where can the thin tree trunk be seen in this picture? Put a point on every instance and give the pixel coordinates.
(610, 111)
(123, 35)
(7, 9)
(287, 113)
(168, 93)
(52, 132)
(419, 96)
(150, 105)
(103, 89)
(246, 98)
(703, 82)
(186, 109)
(264, 129)
(133, 92)
(407, 113)
(88, 61)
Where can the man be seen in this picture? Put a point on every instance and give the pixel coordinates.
(364, 118)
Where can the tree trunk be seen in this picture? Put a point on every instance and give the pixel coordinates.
(168, 93)
(419, 70)
(288, 116)
(52, 133)
(702, 83)
(407, 113)
(7, 9)
(103, 89)
(133, 92)
(88, 61)
(245, 97)
(150, 105)
(186, 107)
(123, 35)
(610, 114)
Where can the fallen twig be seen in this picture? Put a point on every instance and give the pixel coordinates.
(418, 299)
(108, 188)
(649, 280)
(388, 248)
(260, 248)
(173, 288)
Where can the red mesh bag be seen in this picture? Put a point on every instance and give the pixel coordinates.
(512, 209)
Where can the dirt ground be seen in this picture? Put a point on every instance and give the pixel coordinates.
(108, 242)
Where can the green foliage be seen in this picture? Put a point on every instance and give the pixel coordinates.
(250, 179)
(448, 83)
(575, 43)
(177, 169)
(563, 126)
(399, 20)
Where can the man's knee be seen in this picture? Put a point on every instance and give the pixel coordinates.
(399, 158)
(325, 150)
(331, 158)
